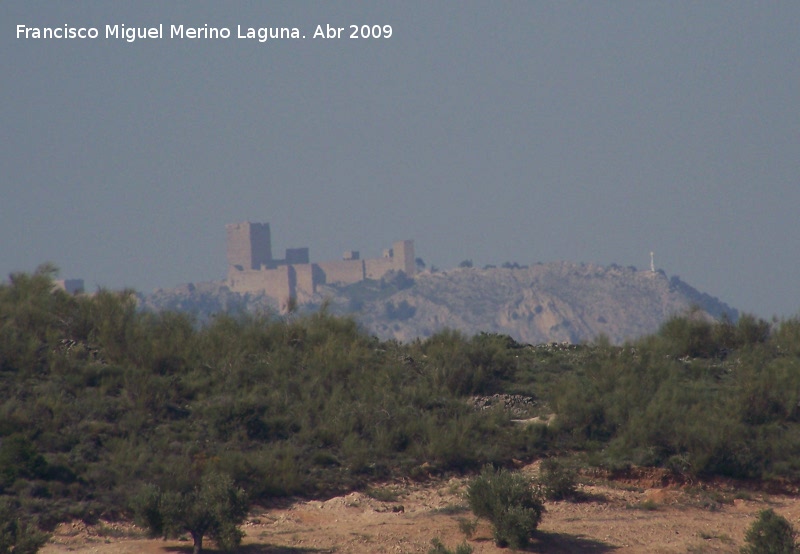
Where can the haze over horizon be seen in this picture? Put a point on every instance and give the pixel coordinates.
(504, 131)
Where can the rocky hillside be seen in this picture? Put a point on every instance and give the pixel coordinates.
(551, 302)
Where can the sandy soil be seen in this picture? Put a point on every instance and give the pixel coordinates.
(641, 514)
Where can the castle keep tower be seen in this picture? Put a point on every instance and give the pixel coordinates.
(403, 253)
(249, 245)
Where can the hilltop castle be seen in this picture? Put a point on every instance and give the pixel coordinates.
(251, 267)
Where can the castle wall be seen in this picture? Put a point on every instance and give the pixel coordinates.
(273, 282)
(304, 279)
(344, 271)
(375, 268)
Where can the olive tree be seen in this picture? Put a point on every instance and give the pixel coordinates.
(214, 508)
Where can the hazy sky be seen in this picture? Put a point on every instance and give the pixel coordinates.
(495, 131)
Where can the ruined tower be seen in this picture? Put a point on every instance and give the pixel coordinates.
(249, 245)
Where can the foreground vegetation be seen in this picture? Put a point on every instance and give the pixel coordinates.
(770, 534)
(510, 502)
(102, 404)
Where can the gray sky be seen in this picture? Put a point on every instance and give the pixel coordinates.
(495, 131)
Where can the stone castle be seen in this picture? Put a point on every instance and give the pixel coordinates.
(251, 267)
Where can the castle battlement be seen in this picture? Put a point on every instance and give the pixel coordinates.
(252, 269)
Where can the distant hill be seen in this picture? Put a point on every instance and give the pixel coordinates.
(549, 302)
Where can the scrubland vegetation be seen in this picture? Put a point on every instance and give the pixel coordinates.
(102, 404)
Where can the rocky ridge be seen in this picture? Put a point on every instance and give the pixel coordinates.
(559, 302)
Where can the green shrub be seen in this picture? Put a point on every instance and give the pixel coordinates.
(559, 480)
(17, 536)
(689, 336)
(770, 534)
(647, 505)
(382, 494)
(438, 547)
(510, 502)
(19, 458)
(467, 526)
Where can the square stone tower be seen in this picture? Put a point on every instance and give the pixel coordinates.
(403, 254)
(249, 245)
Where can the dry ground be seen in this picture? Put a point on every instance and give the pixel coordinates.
(640, 514)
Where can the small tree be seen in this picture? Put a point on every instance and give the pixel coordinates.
(214, 508)
(510, 502)
(770, 534)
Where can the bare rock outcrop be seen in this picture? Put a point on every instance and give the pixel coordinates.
(553, 302)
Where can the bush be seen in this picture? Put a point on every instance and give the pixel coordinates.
(770, 534)
(560, 481)
(467, 526)
(16, 536)
(510, 502)
(19, 458)
(438, 547)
